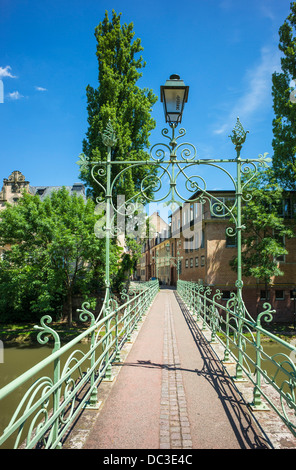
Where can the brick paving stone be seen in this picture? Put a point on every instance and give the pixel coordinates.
(162, 417)
(172, 392)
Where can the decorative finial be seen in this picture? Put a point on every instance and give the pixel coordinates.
(108, 136)
(239, 135)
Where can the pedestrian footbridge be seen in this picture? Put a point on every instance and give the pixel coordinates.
(164, 369)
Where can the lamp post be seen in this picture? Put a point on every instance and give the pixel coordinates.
(174, 95)
(182, 159)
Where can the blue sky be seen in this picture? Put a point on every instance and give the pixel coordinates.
(225, 50)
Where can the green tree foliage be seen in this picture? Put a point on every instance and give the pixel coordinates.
(284, 123)
(52, 254)
(128, 263)
(121, 101)
(263, 239)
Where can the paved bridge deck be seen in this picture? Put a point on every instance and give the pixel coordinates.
(170, 392)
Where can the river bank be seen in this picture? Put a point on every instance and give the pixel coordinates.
(24, 334)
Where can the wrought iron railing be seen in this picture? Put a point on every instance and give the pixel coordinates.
(273, 377)
(52, 402)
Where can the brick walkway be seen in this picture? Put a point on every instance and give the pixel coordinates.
(174, 422)
(170, 392)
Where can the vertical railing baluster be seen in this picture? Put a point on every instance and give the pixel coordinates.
(227, 332)
(239, 367)
(257, 403)
(93, 399)
(117, 355)
(128, 316)
(57, 392)
(108, 333)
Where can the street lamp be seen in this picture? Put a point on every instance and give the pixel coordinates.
(174, 95)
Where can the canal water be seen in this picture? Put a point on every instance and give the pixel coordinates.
(16, 361)
(277, 360)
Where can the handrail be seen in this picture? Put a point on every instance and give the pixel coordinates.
(241, 337)
(52, 403)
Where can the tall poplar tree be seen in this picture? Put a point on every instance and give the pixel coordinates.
(119, 100)
(284, 105)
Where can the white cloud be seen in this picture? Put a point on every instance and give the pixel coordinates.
(267, 11)
(40, 88)
(15, 95)
(5, 72)
(258, 92)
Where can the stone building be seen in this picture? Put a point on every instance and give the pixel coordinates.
(159, 231)
(199, 245)
(14, 186)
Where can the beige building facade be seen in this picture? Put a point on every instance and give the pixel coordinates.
(12, 188)
(197, 242)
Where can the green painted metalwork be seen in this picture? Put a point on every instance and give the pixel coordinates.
(165, 157)
(241, 338)
(174, 161)
(51, 404)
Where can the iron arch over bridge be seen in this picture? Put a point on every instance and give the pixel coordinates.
(174, 161)
(52, 403)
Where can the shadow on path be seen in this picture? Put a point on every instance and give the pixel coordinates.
(236, 409)
(248, 432)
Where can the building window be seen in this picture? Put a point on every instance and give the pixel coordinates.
(196, 209)
(285, 209)
(264, 295)
(293, 294)
(202, 241)
(231, 242)
(180, 267)
(280, 239)
(202, 260)
(225, 294)
(279, 295)
(186, 263)
(191, 212)
(196, 261)
(191, 262)
(188, 244)
(220, 206)
(196, 240)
